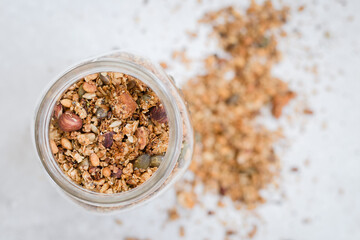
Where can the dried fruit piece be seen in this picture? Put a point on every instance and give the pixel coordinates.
(142, 162)
(58, 110)
(158, 114)
(117, 174)
(280, 101)
(69, 122)
(108, 139)
(142, 136)
(156, 160)
(124, 106)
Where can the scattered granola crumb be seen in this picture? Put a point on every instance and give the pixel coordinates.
(173, 214)
(104, 135)
(164, 65)
(186, 199)
(252, 232)
(181, 231)
(118, 222)
(235, 154)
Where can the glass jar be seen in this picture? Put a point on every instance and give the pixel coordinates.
(180, 148)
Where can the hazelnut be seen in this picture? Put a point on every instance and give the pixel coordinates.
(69, 122)
(58, 110)
(158, 114)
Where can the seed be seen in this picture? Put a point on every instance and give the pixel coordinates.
(101, 113)
(104, 78)
(81, 91)
(66, 103)
(94, 160)
(89, 87)
(115, 124)
(156, 160)
(89, 95)
(142, 162)
(158, 114)
(145, 97)
(69, 122)
(54, 148)
(66, 144)
(90, 136)
(106, 172)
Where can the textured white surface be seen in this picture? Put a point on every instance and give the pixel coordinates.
(39, 39)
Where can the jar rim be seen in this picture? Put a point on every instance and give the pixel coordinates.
(120, 62)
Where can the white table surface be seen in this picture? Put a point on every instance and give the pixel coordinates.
(39, 39)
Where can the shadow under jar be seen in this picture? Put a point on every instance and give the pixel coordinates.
(180, 147)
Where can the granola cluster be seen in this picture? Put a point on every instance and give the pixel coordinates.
(235, 154)
(109, 132)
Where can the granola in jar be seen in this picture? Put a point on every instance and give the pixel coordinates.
(109, 132)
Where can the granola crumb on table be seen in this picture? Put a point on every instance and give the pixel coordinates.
(235, 154)
(109, 132)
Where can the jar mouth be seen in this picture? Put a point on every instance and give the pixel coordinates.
(122, 63)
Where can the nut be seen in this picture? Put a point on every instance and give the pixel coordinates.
(125, 106)
(89, 87)
(108, 139)
(158, 114)
(91, 77)
(54, 148)
(58, 110)
(106, 172)
(94, 160)
(66, 144)
(69, 122)
(142, 136)
(66, 103)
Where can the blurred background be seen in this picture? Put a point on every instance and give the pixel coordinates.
(40, 39)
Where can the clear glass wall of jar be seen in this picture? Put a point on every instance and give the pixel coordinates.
(177, 157)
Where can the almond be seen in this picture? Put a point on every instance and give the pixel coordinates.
(124, 106)
(89, 87)
(142, 136)
(58, 110)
